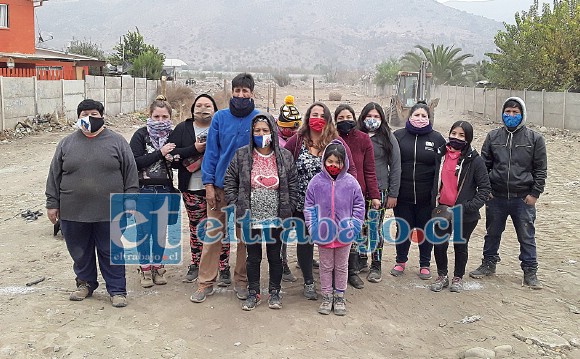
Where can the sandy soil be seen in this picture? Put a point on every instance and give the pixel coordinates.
(397, 318)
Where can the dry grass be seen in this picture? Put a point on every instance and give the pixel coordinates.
(181, 98)
(334, 96)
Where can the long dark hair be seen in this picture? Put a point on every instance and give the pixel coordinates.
(468, 130)
(383, 133)
(341, 108)
(328, 134)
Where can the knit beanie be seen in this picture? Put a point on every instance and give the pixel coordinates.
(289, 115)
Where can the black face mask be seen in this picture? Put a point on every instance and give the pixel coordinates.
(95, 124)
(345, 127)
(457, 144)
(241, 106)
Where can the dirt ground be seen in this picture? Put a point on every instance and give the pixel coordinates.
(397, 318)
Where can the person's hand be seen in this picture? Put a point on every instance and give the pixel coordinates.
(53, 214)
(169, 157)
(375, 203)
(200, 146)
(530, 200)
(210, 197)
(168, 147)
(391, 202)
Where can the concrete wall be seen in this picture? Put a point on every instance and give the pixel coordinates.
(21, 98)
(550, 109)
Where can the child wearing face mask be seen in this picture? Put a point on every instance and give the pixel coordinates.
(460, 179)
(262, 182)
(335, 197)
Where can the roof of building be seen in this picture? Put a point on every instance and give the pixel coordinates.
(173, 63)
(55, 55)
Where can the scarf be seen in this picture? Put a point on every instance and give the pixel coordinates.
(418, 131)
(158, 132)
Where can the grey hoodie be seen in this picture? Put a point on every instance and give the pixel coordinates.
(516, 160)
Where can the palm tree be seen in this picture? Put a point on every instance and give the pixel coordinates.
(445, 63)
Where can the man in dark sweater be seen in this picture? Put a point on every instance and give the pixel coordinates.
(88, 166)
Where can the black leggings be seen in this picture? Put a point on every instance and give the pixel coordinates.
(305, 254)
(274, 260)
(460, 250)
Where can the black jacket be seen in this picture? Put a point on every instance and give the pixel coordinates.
(152, 167)
(237, 183)
(473, 182)
(418, 155)
(184, 138)
(516, 161)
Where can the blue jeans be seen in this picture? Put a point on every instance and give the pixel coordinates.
(523, 216)
(152, 239)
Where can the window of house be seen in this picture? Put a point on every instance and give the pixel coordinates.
(3, 15)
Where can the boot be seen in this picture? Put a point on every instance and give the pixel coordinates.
(530, 278)
(287, 275)
(486, 268)
(339, 304)
(159, 276)
(353, 278)
(146, 278)
(375, 274)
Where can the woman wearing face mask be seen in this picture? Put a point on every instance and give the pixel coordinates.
(262, 180)
(388, 169)
(190, 141)
(364, 159)
(418, 143)
(151, 149)
(460, 179)
(307, 147)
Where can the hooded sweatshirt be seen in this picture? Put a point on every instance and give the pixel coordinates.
(516, 160)
(237, 182)
(339, 200)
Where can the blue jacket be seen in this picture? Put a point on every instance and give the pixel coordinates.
(226, 134)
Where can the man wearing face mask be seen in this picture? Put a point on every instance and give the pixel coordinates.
(229, 130)
(88, 166)
(517, 162)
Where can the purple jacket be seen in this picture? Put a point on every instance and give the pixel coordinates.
(340, 201)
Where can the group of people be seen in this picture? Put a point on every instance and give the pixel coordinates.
(328, 174)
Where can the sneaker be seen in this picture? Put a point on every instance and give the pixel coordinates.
(531, 278)
(241, 292)
(326, 305)
(146, 278)
(274, 300)
(252, 301)
(398, 269)
(192, 273)
(159, 276)
(287, 275)
(441, 282)
(355, 281)
(310, 291)
(119, 300)
(339, 304)
(225, 278)
(425, 273)
(486, 268)
(456, 285)
(83, 291)
(201, 294)
(375, 274)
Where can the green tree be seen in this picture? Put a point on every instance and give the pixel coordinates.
(387, 71)
(149, 64)
(131, 47)
(445, 63)
(541, 50)
(87, 48)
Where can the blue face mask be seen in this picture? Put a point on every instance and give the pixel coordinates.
(512, 121)
(263, 141)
